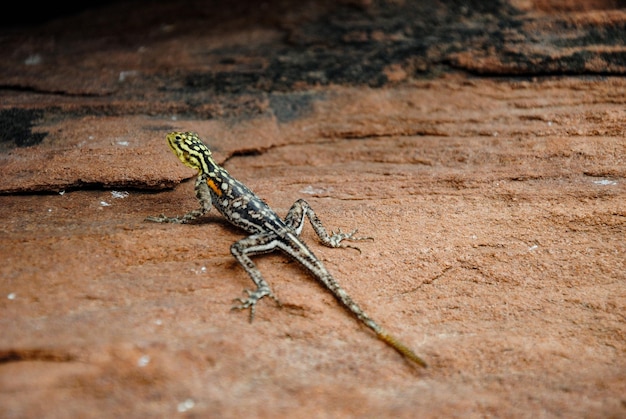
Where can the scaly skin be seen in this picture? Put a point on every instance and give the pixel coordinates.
(216, 187)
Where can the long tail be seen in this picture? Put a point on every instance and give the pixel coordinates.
(317, 268)
(382, 334)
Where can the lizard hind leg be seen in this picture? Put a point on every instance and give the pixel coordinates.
(295, 220)
(242, 250)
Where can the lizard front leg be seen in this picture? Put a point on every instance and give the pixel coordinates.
(204, 198)
(242, 250)
(301, 209)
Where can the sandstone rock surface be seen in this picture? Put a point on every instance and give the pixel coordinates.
(481, 146)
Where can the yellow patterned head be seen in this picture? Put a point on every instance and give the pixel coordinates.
(189, 149)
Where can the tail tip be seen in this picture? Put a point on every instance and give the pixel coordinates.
(402, 349)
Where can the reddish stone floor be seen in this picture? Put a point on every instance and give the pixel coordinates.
(497, 208)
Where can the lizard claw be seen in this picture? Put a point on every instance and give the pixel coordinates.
(339, 236)
(156, 219)
(162, 218)
(253, 298)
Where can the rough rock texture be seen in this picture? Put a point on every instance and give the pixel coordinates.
(480, 143)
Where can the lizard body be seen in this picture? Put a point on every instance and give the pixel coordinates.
(216, 187)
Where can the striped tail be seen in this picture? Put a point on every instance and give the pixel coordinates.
(382, 334)
(400, 347)
(316, 267)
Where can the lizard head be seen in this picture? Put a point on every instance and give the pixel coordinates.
(189, 149)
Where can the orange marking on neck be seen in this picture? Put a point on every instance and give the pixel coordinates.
(213, 186)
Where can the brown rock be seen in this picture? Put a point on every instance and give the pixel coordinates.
(496, 205)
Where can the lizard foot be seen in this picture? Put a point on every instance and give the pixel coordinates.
(339, 236)
(253, 298)
(161, 218)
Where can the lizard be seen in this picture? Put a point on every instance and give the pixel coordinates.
(214, 186)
